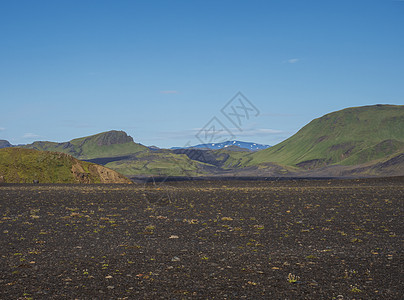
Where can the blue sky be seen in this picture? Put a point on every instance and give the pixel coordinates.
(161, 70)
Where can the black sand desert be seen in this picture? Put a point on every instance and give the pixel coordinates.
(329, 239)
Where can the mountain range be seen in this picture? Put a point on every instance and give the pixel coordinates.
(230, 145)
(358, 141)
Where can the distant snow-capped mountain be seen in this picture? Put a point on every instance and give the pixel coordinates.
(228, 144)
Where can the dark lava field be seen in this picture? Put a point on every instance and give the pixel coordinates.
(323, 239)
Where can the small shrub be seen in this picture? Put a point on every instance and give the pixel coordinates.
(293, 278)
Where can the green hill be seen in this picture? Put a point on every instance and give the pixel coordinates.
(19, 165)
(348, 137)
(105, 144)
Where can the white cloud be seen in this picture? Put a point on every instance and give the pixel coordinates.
(2, 129)
(169, 92)
(30, 135)
(278, 115)
(293, 60)
(259, 132)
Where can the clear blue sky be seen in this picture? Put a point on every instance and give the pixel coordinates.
(160, 70)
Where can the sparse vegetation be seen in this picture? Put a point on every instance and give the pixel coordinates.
(293, 278)
(237, 238)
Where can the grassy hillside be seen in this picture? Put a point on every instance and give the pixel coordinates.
(348, 137)
(19, 165)
(105, 144)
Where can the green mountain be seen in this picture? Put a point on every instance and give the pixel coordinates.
(105, 144)
(19, 165)
(350, 136)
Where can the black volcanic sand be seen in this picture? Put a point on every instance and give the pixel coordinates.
(203, 240)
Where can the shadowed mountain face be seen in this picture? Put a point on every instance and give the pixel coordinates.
(205, 156)
(5, 144)
(108, 138)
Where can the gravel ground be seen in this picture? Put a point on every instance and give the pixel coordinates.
(330, 239)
